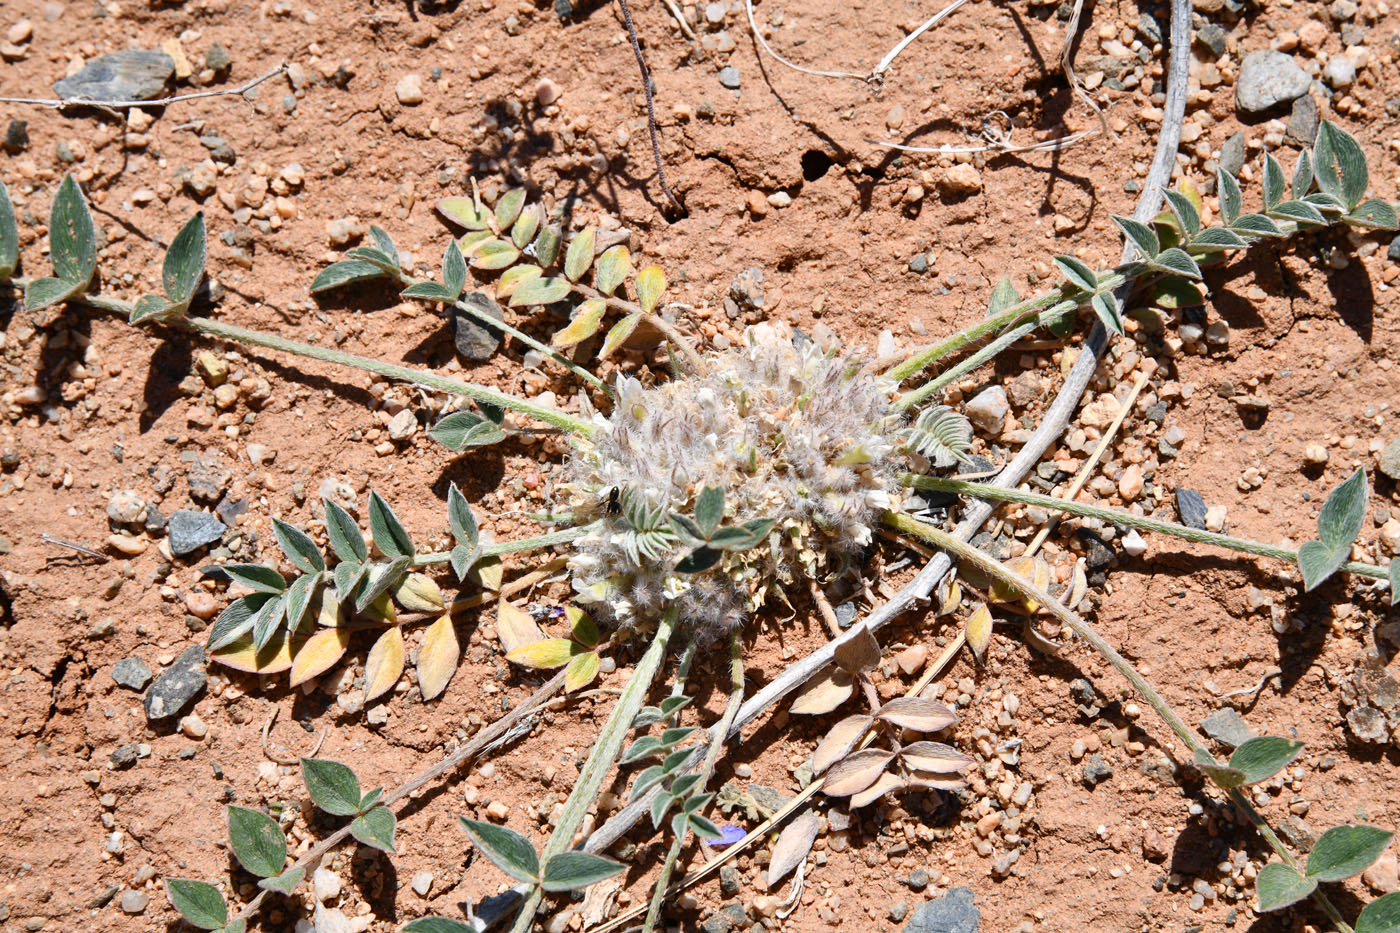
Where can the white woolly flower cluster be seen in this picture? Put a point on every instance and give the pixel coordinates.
(788, 433)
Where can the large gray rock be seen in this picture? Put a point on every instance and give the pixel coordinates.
(1268, 78)
(474, 340)
(191, 530)
(1227, 727)
(952, 913)
(177, 686)
(128, 75)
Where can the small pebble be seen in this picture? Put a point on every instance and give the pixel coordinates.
(409, 90)
(422, 883)
(134, 902)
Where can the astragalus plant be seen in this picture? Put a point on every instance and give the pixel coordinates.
(691, 503)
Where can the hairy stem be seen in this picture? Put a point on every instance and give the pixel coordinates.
(999, 572)
(682, 343)
(977, 490)
(707, 768)
(909, 399)
(480, 741)
(601, 758)
(563, 536)
(550, 416)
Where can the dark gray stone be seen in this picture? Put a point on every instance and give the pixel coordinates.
(209, 476)
(1227, 727)
(1096, 770)
(217, 57)
(1149, 28)
(131, 673)
(1157, 413)
(729, 77)
(1232, 154)
(177, 686)
(154, 521)
(1393, 254)
(899, 911)
(728, 880)
(1390, 454)
(917, 880)
(16, 137)
(1213, 38)
(230, 510)
(846, 614)
(191, 530)
(1191, 508)
(1304, 120)
(1268, 78)
(1098, 554)
(919, 263)
(474, 340)
(125, 756)
(952, 913)
(133, 74)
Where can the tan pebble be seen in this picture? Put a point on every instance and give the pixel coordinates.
(201, 605)
(409, 90)
(1315, 454)
(127, 544)
(547, 91)
(1130, 483)
(497, 812)
(225, 397)
(766, 905)
(988, 823)
(20, 32)
(912, 658)
(962, 179)
(758, 204)
(194, 727)
(1215, 518)
(1383, 877)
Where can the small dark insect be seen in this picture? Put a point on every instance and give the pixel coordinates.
(615, 501)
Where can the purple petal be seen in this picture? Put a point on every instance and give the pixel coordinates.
(729, 834)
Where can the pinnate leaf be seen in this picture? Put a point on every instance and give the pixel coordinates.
(437, 659)
(462, 430)
(389, 534)
(1340, 165)
(463, 211)
(344, 534)
(856, 772)
(284, 883)
(1279, 886)
(613, 268)
(839, 742)
(1344, 851)
(546, 654)
(257, 841)
(1262, 757)
(540, 291)
(384, 664)
(42, 293)
(619, 334)
(375, 828)
(256, 577)
(320, 653)
(509, 851)
(570, 871)
(1338, 524)
(184, 262)
(332, 785)
(1079, 274)
(509, 206)
(651, 282)
(199, 902)
(494, 254)
(581, 671)
(579, 255)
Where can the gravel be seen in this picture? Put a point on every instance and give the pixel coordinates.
(1268, 78)
(133, 74)
(952, 913)
(177, 686)
(191, 530)
(131, 673)
(474, 340)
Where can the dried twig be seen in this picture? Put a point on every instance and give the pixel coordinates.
(73, 545)
(62, 103)
(1052, 426)
(651, 107)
